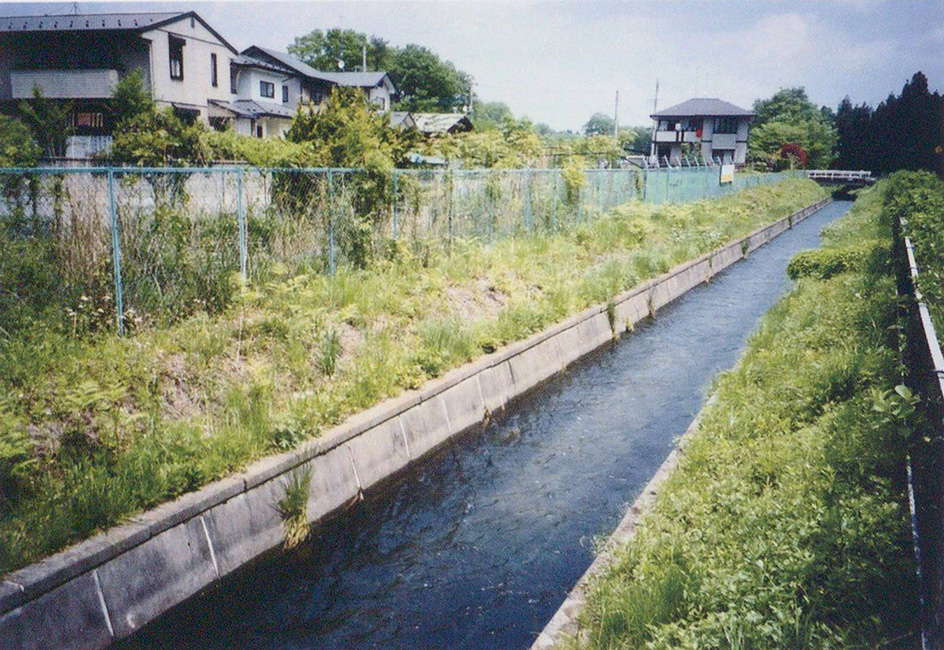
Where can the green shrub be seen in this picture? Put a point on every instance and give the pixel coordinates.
(824, 263)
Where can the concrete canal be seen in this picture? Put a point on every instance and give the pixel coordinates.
(478, 546)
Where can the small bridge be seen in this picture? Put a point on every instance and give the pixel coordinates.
(840, 177)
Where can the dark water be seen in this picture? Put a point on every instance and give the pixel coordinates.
(478, 546)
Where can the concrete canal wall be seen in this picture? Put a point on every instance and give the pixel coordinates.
(109, 586)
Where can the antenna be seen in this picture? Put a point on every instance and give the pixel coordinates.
(75, 8)
(616, 118)
(364, 59)
(655, 122)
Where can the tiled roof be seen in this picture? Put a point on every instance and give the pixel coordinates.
(352, 79)
(703, 107)
(131, 22)
(86, 22)
(253, 109)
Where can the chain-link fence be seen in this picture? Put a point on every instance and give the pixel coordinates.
(104, 248)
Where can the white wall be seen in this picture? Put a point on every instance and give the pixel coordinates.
(249, 87)
(195, 88)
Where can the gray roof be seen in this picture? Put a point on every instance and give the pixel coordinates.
(352, 79)
(135, 22)
(253, 109)
(703, 107)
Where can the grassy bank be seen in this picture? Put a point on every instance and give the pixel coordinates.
(918, 199)
(786, 524)
(93, 430)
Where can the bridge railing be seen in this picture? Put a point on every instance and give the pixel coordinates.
(838, 174)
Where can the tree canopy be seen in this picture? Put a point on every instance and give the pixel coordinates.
(903, 132)
(790, 118)
(323, 49)
(599, 124)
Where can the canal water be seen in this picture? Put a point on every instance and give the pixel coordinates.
(479, 545)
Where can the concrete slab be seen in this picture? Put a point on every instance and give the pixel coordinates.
(426, 427)
(632, 310)
(333, 483)
(498, 386)
(378, 452)
(663, 293)
(726, 257)
(572, 345)
(245, 526)
(151, 578)
(756, 240)
(12, 596)
(464, 405)
(535, 365)
(69, 617)
(40, 577)
(190, 505)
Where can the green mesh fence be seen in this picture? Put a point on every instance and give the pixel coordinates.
(121, 248)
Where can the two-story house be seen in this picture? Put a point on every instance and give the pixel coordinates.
(80, 58)
(184, 62)
(704, 127)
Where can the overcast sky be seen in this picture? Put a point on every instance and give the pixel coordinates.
(558, 62)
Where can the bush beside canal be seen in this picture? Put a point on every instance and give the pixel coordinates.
(786, 524)
(95, 428)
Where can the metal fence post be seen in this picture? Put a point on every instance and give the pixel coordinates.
(527, 199)
(396, 197)
(451, 212)
(116, 253)
(554, 202)
(241, 222)
(331, 259)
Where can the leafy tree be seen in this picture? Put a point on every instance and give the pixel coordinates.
(131, 97)
(489, 115)
(323, 49)
(49, 121)
(426, 82)
(790, 118)
(18, 148)
(599, 124)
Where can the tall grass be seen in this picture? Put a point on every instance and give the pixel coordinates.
(93, 430)
(786, 523)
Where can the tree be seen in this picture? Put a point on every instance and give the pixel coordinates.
(790, 118)
(49, 122)
(903, 132)
(17, 146)
(323, 49)
(599, 124)
(130, 97)
(426, 82)
(489, 115)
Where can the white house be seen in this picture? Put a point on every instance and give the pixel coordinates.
(80, 58)
(707, 127)
(186, 64)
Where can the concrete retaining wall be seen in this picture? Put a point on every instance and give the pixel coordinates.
(109, 586)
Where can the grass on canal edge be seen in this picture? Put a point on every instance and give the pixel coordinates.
(95, 430)
(786, 523)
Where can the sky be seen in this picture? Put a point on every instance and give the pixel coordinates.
(560, 61)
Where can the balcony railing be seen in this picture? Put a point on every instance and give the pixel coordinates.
(64, 84)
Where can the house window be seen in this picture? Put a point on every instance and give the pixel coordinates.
(214, 78)
(233, 79)
(284, 94)
(176, 49)
(267, 89)
(726, 125)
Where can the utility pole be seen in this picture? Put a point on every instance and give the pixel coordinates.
(655, 109)
(616, 119)
(364, 59)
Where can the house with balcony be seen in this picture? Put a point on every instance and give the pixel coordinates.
(185, 63)
(80, 58)
(705, 128)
